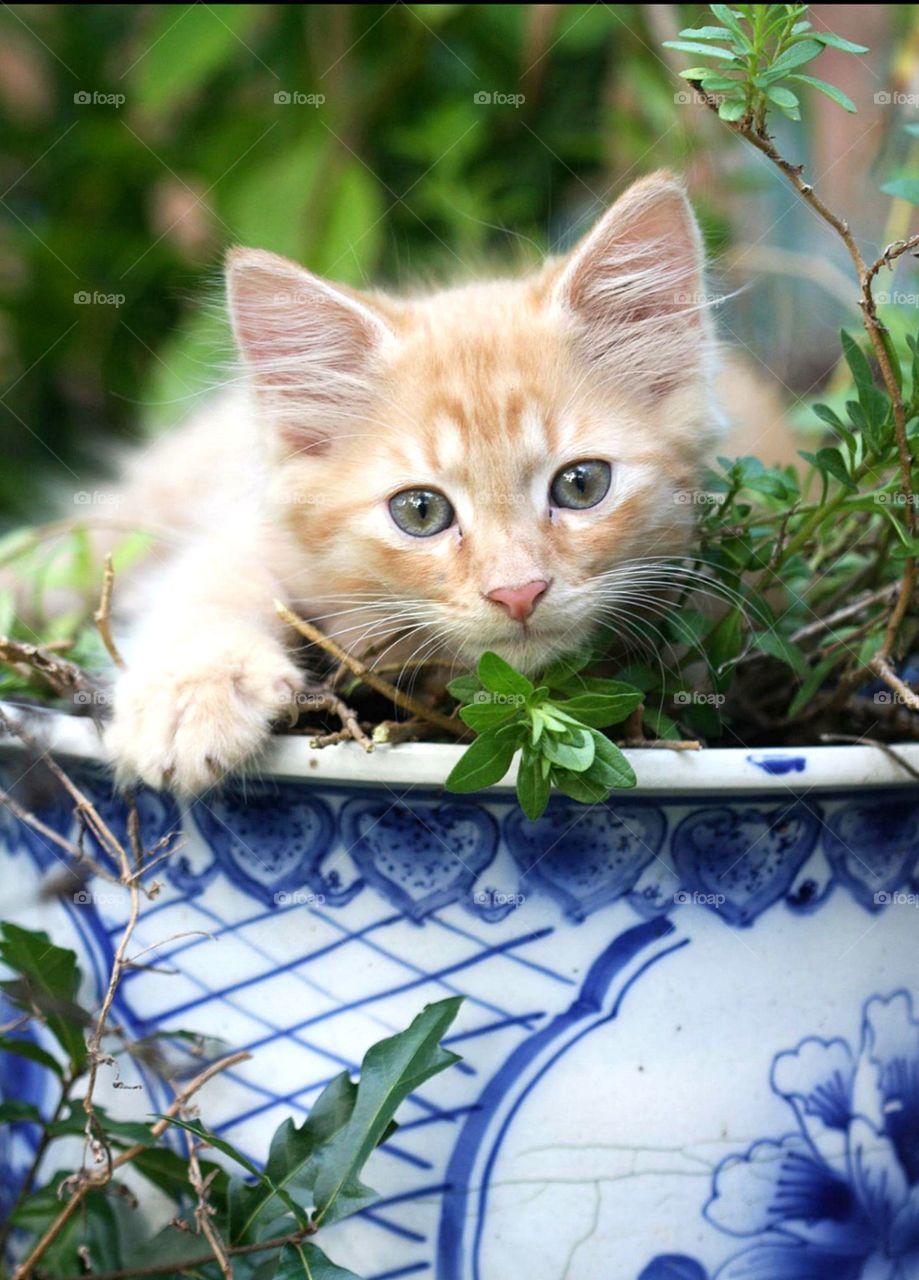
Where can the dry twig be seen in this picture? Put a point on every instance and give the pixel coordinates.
(363, 672)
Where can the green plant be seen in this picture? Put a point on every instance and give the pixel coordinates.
(554, 725)
(757, 50)
(822, 563)
(265, 1222)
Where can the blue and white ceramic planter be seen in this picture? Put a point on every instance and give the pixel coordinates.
(691, 1027)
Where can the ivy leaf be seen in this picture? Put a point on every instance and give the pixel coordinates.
(23, 1048)
(390, 1071)
(484, 762)
(48, 981)
(291, 1166)
(499, 676)
(15, 1111)
(307, 1262)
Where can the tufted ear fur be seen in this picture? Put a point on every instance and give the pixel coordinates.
(634, 289)
(313, 349)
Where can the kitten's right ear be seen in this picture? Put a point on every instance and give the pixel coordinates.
(312, 348)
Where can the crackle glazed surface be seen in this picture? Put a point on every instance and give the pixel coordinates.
(691, 1031)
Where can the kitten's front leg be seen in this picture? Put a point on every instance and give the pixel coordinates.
(207, 676)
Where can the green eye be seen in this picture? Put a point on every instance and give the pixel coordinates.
(581, 485)
(421, 512)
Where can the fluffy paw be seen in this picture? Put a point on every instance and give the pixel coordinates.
(185, 726)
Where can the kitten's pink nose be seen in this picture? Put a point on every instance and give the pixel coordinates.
(519, 601)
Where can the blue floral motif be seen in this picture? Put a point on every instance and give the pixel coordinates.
(837, 1197)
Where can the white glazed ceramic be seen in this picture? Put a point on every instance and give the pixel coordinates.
(689, 1037)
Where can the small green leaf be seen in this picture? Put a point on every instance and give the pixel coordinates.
(839, 42)
(464, 688)
(778, 647)
(842, 99)
(786, 101)
(483, 763)
(599, 710)
(499, 676)
(487, 714)
(564, 673)
(532, 785)
(796, 56)
(731, 110)
(832, 461)
(695, 46)
(704, 33)
(579, 787)
(610, 765)
(577, 754)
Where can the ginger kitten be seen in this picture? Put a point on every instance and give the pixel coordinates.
(484, 467)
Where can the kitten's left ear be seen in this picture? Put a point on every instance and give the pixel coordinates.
(313, 349)
(634, 288)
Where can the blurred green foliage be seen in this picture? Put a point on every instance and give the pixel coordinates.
(400, 172)
(139, 141)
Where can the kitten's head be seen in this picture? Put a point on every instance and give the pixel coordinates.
(489, 463)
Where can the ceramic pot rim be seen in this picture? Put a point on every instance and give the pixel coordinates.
(773, 769)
